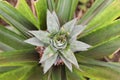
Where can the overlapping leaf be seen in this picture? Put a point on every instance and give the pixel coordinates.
(103, 33)
(65, 10)
(103, 18)
(24, 9)
(97, 7)
(15, 18)
(103, 49)
(11, 40)
(94, 69)
(18, 56)
(41, 10)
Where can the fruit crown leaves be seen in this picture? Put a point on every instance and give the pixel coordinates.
(59, 42)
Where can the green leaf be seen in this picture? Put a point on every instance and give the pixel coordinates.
(66, 62)
(18, 56)
(56, 73)
(103, 18)
(51, 5)
(73, 8)
(73, 76)
(98, 72)
(37, 74)
(84, 60)
(18, 63)
(13, 65)
(25, 10)
(68, 54)
(94, 69)
(41, 35)
(77, 30)
(18, 74)
(11, 39)
(4, 69)
(103, 49)
(102, 34)
(34, 41)
(47, 54)
(69, 26)
(65, 10)
(49, 62)
(5, 29)
(41, 9)
(52, 22)
(97, 7)
(5, 47)
(56, 17)
(15, 18)
(78, 46)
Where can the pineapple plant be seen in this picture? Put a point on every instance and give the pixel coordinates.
(52, 44)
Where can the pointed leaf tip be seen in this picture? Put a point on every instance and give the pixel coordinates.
(79, 46)
(52, 22)
(49, 62)
(55, 16)
(68, 54)
(34, 41)
(69, 26)
(67, 63)
(77, 30)
(41, 35)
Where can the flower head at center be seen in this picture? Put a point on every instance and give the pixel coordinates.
(60, 40)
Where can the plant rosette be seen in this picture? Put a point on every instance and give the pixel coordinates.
(60, 43)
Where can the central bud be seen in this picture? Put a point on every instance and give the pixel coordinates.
(60, 40)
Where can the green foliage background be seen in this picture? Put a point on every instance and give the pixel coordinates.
(19, 60)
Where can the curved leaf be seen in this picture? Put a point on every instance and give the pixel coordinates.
(83, 60)
(13, 65)
(102, 34)
(37, 74)
(9, 39)
(97, 7)
(98, 72)
(65, 10)
(73, 8)
(41, 10)
(24, 9)
(15, 18)
(52, 23)
(51, 5)
(56, 73)
(73, 76)
(103, 18)
(18, 74)
(34, 41)
(18, 56)
(7, 68)
(41, 35)
(5, 47)
(103, 49)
